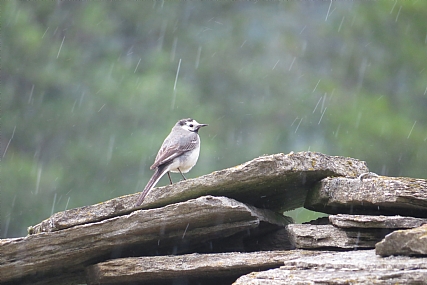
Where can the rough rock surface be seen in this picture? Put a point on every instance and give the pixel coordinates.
(184, 267)
(404, 242)
(279, 182)
(152, 244)
(378, 222)
(306, 236)
(373, 195)
(171, 229)
(349, 267)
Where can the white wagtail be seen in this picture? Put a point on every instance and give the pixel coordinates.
(178, 153)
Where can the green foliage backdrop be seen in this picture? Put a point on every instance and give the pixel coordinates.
(89, 90)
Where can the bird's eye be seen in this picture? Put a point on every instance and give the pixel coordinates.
(191, 125)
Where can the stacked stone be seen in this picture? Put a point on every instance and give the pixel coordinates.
(370, 211)
(221, 226)
(375, 234)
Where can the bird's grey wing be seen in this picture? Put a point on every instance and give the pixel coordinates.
(174, 147)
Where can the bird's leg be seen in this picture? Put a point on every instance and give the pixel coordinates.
(182, 174)
(170, 177)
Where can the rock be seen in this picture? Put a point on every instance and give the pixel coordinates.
(378, 222)
(306, 236)
(350, 267)
(184, 268)
(404, 242)
(175, 228)
(374, 196)
(278, 182)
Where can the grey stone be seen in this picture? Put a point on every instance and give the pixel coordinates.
(349, 267)
(171, 229)
(306, 236)
(378, 222)
(183, 267)
(279, 182)
(404, 242)
(374, 196)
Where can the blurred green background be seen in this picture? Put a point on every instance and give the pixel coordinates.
(89, 90)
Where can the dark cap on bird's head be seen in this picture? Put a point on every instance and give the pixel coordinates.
(183, 121)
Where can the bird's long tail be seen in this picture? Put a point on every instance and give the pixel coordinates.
(160, 171)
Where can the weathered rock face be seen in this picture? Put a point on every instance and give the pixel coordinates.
(345, 231)
(329, 237)
(404, 242)
(278, 182)
(374, 195)
(171, 229)
(186, 267)
(376, 222)
(349, 267)
(115, 243)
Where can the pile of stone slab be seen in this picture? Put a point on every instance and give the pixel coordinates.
(363, 211)
(228, 227)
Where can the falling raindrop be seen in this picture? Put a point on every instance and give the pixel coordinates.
(139, 61)
(398, 13)
(329, 9)
(39, 174)
(183, 235)
(392, 8)
(66, 205)
(315, 87)
(199, 52)
(101, 108)
(298, 125)
(7, 146)
(294, 121)
(74, 105)
(277, 62)
(321, 117)
(6, 227)
(410, 132)
(292, 63)
(60, 47)
(31, 94)
(342, 21)
(338, 130)
(174, 85)
(81, 99)
(317, 104)
(323, 102)
(357, 239)
(53, 205)
(45, 32)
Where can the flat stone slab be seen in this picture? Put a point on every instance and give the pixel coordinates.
(350, 267)
(377, 222)
(173, 228)
(373, 195)
(306, 236)
(279, 182)
(168, 269)
(404, 242)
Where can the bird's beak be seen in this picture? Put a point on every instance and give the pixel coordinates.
(201, 125)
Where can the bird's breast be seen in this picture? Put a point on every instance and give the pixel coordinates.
(186, 161)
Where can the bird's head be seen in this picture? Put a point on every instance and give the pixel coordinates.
(190, 125)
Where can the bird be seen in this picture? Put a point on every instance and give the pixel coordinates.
(178, 153)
